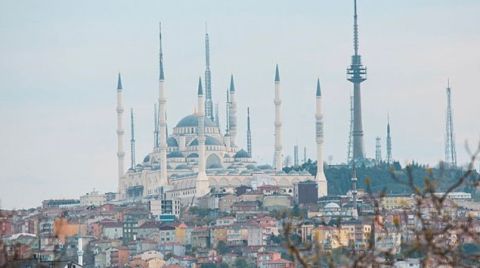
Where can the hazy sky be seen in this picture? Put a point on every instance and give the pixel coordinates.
(59, 61)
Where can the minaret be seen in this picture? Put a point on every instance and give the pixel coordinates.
(132, 140)
(208, 80)
(227, 122)
(389, 142)
(249, 134)
(233, 113)
(320, 176)
(295, 155)
(80, 251)
(162, 114)
(450, 151)
(201, 185)
(354, 192)
(120, 131)
(227, 113)
(217, 117)
(378, 150)
(155, 129)
(278, 124)
(356, 74)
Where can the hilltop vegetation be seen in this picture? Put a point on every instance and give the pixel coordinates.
(381, 178)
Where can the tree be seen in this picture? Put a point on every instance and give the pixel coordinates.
(436, 234)
(222, 247)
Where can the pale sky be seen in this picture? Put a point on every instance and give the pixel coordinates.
(59, 61)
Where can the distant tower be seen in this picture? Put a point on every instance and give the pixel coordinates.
(132, 141)
(354, 192)
(208, 80)
(350, 134)
(249, 134)
(162, 114)
(278, 123)
(201, 185)
(295, 155)
(120, 131)
(233, 113)
(378, 150)
(305, 154)
(389, 142)
(357, 73)
(320, 177)
(450, 151)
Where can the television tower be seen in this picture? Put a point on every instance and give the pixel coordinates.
(450, 152)
(357, 73)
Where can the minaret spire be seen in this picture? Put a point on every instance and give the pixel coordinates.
(278, 124)
(357, 73)
(201, 185)
(162, 118)
(233, 112)
(208, 79)
(320, 176)
(249, 134)
(120, 131)
(132, 140)
(161, 74)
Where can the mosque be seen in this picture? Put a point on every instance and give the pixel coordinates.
(198, 156)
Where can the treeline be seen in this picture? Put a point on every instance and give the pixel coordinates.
(381, 177)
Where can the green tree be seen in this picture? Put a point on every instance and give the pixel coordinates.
(222, 247)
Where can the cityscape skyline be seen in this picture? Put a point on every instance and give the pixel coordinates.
(92, 157)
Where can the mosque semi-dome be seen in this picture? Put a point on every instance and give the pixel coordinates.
(172, 142)
(192, 121)
(209, 140)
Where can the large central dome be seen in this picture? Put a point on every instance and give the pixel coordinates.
(192, 121)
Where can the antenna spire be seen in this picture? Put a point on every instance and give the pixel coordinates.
(355, 28)
(450, 150)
